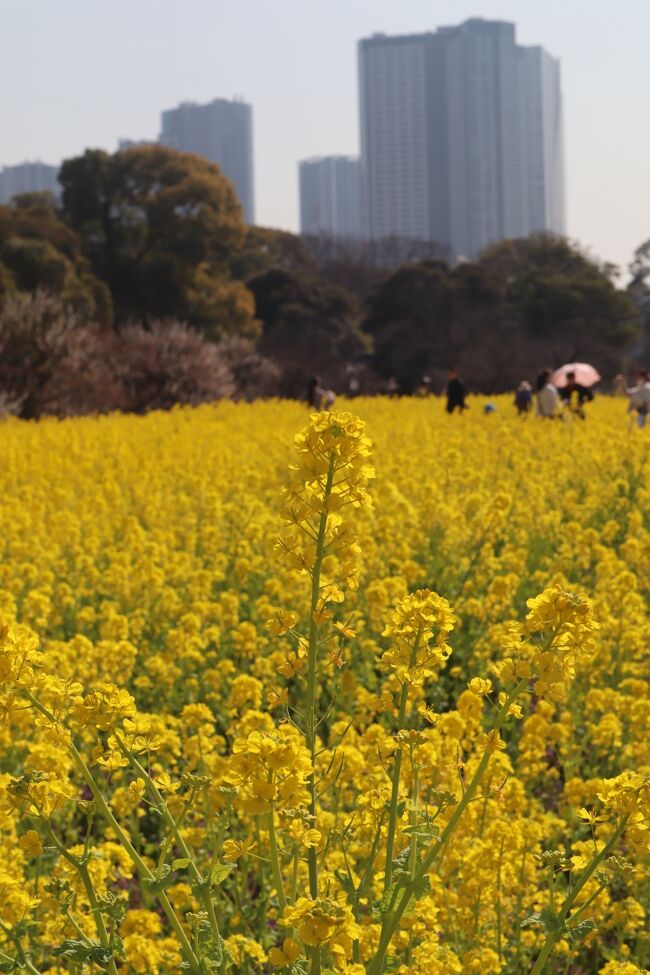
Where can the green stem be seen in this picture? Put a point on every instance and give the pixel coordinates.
(554, 936)
(315, 967)
(294, 876)
(102, 933)
(583, 907)
(275, 862)
(80, 866)
(397, 771)
(391, 920)
(75, 924)
(413, 852)
(22, 958)
(312, 666)
(205, 897)
(141, 866)
(356, 907)
(499, 921)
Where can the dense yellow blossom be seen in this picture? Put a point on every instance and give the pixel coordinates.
(360, 692)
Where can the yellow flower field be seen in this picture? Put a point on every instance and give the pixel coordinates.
(374, 699)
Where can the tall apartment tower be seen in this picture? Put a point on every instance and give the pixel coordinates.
(395, 130)
(221, 131)
(28, 177)
(544, 141)
(330, 197)
(461, 136)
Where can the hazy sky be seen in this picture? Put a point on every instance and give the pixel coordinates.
(78, 73)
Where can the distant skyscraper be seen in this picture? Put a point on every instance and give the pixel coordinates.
(544, 143)
(461, 136)
(330, 196)
(395, 135)
(221, 131)
(28, 177)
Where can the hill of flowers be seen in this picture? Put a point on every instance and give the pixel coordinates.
(361, 692)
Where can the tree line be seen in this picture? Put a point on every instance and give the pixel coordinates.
(144, 287)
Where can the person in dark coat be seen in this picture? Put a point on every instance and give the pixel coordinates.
(524, 398)
(455, 392)
(574, 396)
(315, 393)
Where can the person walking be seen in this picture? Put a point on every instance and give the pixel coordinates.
(315, 393)
(546, 394)
(317, 397)
(574, 396)
(638, 395)
(523, 398)
(455, 392)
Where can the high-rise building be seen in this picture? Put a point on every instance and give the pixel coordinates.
(394, 136)
(330, 197)
(221, 131)
(28, 177)
(543, 144)
(461, 136)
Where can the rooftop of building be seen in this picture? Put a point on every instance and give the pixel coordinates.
(235, 100)
(321, 159)
(467, 26)
(29, 162)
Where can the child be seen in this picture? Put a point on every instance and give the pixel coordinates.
(524, 398)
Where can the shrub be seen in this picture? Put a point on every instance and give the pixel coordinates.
(170, 363)
(35, 331)
(53, 362)
(254, 375)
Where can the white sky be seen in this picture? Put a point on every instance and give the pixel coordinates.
(79, 73)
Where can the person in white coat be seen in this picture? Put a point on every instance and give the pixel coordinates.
(638, 395)
(547, 395)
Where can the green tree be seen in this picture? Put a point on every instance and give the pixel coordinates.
(639, 291)
(38, 251)
(524, 304)
(160, 228)
(566, 303)
(265, 249)
(640, 269)
(308, 328)
(409, 319)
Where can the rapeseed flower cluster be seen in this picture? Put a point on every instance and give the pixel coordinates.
(325, 721)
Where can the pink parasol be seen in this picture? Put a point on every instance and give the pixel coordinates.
(585, 374)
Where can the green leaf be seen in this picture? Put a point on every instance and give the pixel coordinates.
(544, 919)
(577, 932)
(401, 861)
(83, 951)
(181, 863)
(346, 882)
(214, 952)
(200, 890)
(117, 946)
(550, 920)
(425, 832)
(165, 879)
(219, 872)
(533, 920)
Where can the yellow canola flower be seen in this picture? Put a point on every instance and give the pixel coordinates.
(30, 843)
(136, 583)
(286, 955)
(417, 632)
